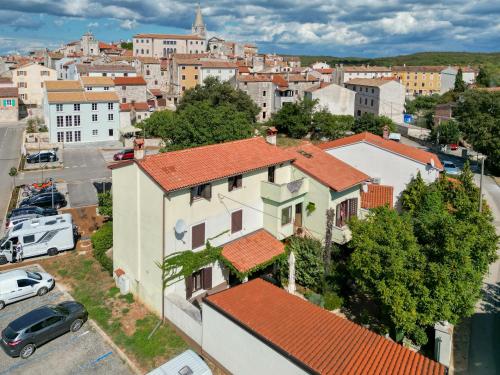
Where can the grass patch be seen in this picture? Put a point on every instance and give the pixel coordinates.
(63, 272)
(129, 297)
(113, 291)
(125, 310)
(287, 142)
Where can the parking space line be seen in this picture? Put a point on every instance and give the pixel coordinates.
(93, 363)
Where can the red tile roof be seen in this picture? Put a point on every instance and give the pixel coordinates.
(325, 70)
(280, 81)
(410, 152)
(377, 196)
(190, 167)
(325, 168)
(169, 36)
(129, 81)
(313, 338)
(252, 250)
(8, 92)
(139, 106)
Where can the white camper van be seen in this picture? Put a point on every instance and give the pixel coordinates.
(40, 236)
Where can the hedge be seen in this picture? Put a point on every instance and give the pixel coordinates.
(102, 241)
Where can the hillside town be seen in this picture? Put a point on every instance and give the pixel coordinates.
(187, 204)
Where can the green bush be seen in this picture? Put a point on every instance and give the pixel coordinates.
(102, 241)
(105, 201)
(332, 301)
(315, 298)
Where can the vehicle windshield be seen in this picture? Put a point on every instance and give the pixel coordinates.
(34, 275)
(59, 309)
(10, 334)
(3, 241)
(449, 165)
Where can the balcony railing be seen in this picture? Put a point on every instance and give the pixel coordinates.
(283, 192)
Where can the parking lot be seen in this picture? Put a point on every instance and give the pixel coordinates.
(82, 352)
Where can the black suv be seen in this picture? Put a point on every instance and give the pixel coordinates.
(42, 157)
(31, 210)
(23, 335)
(45, 200)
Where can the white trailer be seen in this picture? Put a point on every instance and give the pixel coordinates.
(40, 236)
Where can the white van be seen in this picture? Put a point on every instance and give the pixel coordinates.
(20, 284)
(40, 236)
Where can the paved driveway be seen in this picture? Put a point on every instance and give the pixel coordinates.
(82, 352)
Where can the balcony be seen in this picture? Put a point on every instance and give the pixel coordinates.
(283, 192)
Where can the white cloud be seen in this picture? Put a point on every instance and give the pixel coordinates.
(128, 24)
(93, 25)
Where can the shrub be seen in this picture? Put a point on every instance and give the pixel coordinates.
(315, 298)
(105, 201)
(332, 301)
(102, 240)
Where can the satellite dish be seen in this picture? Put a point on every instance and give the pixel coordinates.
(180, 227)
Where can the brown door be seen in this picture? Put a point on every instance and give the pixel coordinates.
(298, 216)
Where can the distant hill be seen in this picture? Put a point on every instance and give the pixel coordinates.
(422, 58)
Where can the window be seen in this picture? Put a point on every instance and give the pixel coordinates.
(124, 88)
(44, 73)
(60, 121)
(89, 88)
(76, 107)
(69, 121)
(104, 74)
(183, 77)
(263, 105)
(366, 101)
(41, 85)
(196, 76)
(263, 93)
(197, 236)
(51, 321)
(372, 102)
(37, 327)
(345, 211)
(76, 120)
(94, 117)
(286, 215)
(78, 136)
(148, 72)
(236, 221)
(124, 100)
(60, 137)
(106, 88)
(271, 171)
(201, 191)
(21, 73)
(360, 100)
(94, 132)
(29, 239)
(69, 136)
(373, 91)
(234, 182)
(59, 107)
(264, 115)
(110, 106)
(110, 132)
(94, 106)
(125, 74)
(201, 279)
(110, 117)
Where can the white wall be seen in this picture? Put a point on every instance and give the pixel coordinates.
(393, 169)
(238, 351)
(223, 74)
(184, 315)
(336, 99)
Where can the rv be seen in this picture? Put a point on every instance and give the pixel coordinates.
(40, 236)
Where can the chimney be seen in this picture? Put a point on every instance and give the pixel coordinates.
(271, 135)
(386, 132)
(139, 148)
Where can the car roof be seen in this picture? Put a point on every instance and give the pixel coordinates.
(14, 274)
(33, 317)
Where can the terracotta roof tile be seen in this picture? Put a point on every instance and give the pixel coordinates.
(129, 81)
(366, 68)
(125, 107)
(325, 70)
(51, 86)
(427, 68)
(169, 36)
(101, 96)
(325, 168)
(66, 97)
(371, 82)
(252, 250)
(97, 81)
(410, 152)
(316, 339)
(8, 92)
(254, 78)
(185, 168)
(110, 68)
(377, 196)
(218, 64)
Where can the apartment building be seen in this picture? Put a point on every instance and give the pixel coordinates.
(131, 89)
(419, 80)
(75, 114)
(382, 97)
(105, 70)
(223, 70)
(30, 80)
(150, 70)
(261, 89)
(343, 74)
(337, 99)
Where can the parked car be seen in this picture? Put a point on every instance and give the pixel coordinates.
(124, 155)
(28, 210)
(20, 284)
(186, 363)
(453, 146)
(451, 168)
(42, 157)
(45, 200)
(28, 332)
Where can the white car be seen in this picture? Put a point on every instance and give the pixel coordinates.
(20, 284)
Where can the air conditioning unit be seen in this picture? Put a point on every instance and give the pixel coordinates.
(376, 180)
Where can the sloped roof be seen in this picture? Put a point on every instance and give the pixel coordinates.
(190, 167)
(8, 92)
(101, 96)
(371, 82)
(129, 81)
(377, 196)
(313, 338)
(252, 250)
(169, 36)
(97, 81)
(366, 68)
(51, 86)
(66, 97)
(325, 168)
(409, 152)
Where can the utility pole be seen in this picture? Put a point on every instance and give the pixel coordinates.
(481, 185)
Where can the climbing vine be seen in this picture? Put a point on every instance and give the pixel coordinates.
(185, 263)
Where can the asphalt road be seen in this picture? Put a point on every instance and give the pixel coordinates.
(10, 153)
(82, 352)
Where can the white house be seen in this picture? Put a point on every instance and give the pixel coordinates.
(75, 114)
(30, 80)
(336, 99)
(380, 96)
(386, 162)
(222, 70)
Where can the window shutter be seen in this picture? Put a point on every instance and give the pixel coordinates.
(189, 287)
(207, 192)
(230, 184)
(353, 207)
(197, 236)
(192, 195)
(207, 278)
(236, 221)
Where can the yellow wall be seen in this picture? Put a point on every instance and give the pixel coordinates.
(420, 82)
(189, 77)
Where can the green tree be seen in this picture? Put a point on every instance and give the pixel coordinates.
(218, 93)
(460, 85)
(127, 45)
(483, 77)
(447, 131)
(295, 119)
(105, 203)
(327, 125)
(13, 174)
(368, 122)
(159, 124)
(413, 193)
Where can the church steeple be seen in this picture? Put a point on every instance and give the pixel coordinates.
(198, 25)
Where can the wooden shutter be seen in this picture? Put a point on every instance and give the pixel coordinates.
(206, 274)
(353, 207)
(189, 287)
(207, 191)
(197, 236)
(230, 184)
(236, 221)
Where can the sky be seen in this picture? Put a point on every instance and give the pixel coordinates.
(367, 28)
